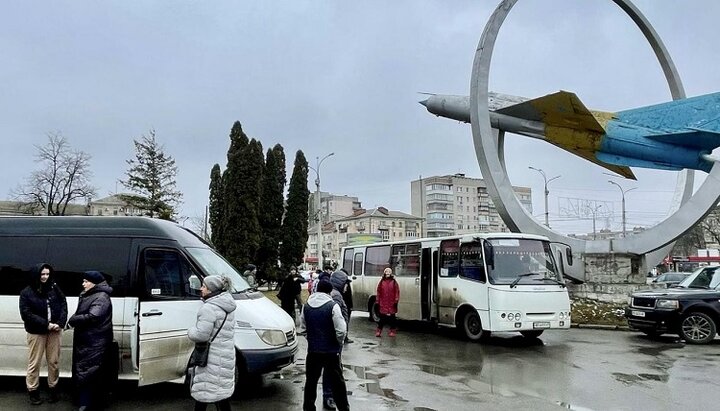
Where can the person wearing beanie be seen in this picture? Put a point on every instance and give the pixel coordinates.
(347, 297)
(92, 341)
(215, 324)
(388, 296)
(43, 309)
(323, 324)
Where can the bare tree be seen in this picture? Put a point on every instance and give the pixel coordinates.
(63, 177)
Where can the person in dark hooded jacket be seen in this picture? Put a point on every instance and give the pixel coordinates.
(43, 308)
(92, 339)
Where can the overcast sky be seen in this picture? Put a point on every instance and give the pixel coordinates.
(342, 77)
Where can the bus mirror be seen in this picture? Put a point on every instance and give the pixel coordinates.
(489, 254)
(569, 256)
(195, 282)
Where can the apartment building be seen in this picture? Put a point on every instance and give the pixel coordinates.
(363, 226)
(456, 204)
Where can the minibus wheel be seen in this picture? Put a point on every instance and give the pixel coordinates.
(472, 326)
(374, 310)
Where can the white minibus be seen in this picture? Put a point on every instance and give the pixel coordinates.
(480, 283)
(155, 268)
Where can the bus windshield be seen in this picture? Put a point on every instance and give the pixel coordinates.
(522, 261)
(213, 264)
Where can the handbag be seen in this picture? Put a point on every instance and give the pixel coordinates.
(199, 356)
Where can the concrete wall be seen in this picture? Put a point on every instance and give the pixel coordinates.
(610, 278)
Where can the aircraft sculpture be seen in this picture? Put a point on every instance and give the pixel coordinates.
(676, 135)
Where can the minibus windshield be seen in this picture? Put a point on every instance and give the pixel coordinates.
(213, 264)
(522, 261)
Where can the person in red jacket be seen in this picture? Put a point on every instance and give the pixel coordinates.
(388, 295)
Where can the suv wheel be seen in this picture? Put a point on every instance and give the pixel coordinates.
(697, 328)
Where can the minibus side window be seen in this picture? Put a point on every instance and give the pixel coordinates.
(348, 259)
(471, 262)
(377, 259)
(357, 265)
(168, 275)
(72, 256)
(18, 256)
(449, 258)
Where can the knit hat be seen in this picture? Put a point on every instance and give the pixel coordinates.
(324, 286)
(94, 277)
(215, 283)
(338, 280)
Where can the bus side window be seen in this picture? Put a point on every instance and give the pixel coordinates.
(449, 258)
(357, 264)
(348, 260)
(471, 262)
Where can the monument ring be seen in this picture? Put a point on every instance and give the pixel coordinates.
(489, 149)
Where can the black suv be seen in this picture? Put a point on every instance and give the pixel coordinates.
(691, 309)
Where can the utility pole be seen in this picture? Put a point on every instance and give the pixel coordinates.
(318, 162)
(594, 211)
(546, 181)
(622, 192)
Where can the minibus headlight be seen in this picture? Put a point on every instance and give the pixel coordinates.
(511, 317)
(667, 304)
(272, 337)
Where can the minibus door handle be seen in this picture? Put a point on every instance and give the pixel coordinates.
(151, 313)
(417, 281)
(354, 277)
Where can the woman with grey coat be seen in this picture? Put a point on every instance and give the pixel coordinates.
(215, 382)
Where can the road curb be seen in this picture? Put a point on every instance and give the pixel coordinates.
(601, 327)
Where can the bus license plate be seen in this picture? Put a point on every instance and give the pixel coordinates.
(637, 313)
(541, 325)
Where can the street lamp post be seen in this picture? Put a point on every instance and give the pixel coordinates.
(622, 192)
(594, 211)
(318, 162)
(546, 181)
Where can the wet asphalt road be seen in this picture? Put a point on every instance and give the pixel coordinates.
(426, 369)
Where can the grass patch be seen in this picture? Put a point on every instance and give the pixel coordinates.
(272, 295)
(597, 312)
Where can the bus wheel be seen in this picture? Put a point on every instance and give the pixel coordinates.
(374, 310)
(531, 334)
(472, 327)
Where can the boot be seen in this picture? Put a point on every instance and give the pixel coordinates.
(54, 395)
(378, 332)
(35, 397)
(392, 333)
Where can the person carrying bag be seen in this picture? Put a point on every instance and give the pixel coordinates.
(213, 382)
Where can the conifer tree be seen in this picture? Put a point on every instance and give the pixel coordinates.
(273, 188)
(295, 223)
(242, 197)
(152, 177)
(216, 209)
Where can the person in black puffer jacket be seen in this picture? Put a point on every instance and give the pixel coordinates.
(43, 309)
(92, 340)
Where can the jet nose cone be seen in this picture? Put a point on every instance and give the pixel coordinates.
(424, 102)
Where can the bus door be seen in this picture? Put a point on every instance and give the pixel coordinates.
(426, 285)
(169, 289)
(405, 260)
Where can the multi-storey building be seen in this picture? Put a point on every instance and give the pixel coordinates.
(363, 226)
(332, 206)
(455, 204)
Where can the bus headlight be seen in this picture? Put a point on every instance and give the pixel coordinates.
(667, 304)
(272, 337)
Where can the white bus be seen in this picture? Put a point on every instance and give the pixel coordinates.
(479, 283)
